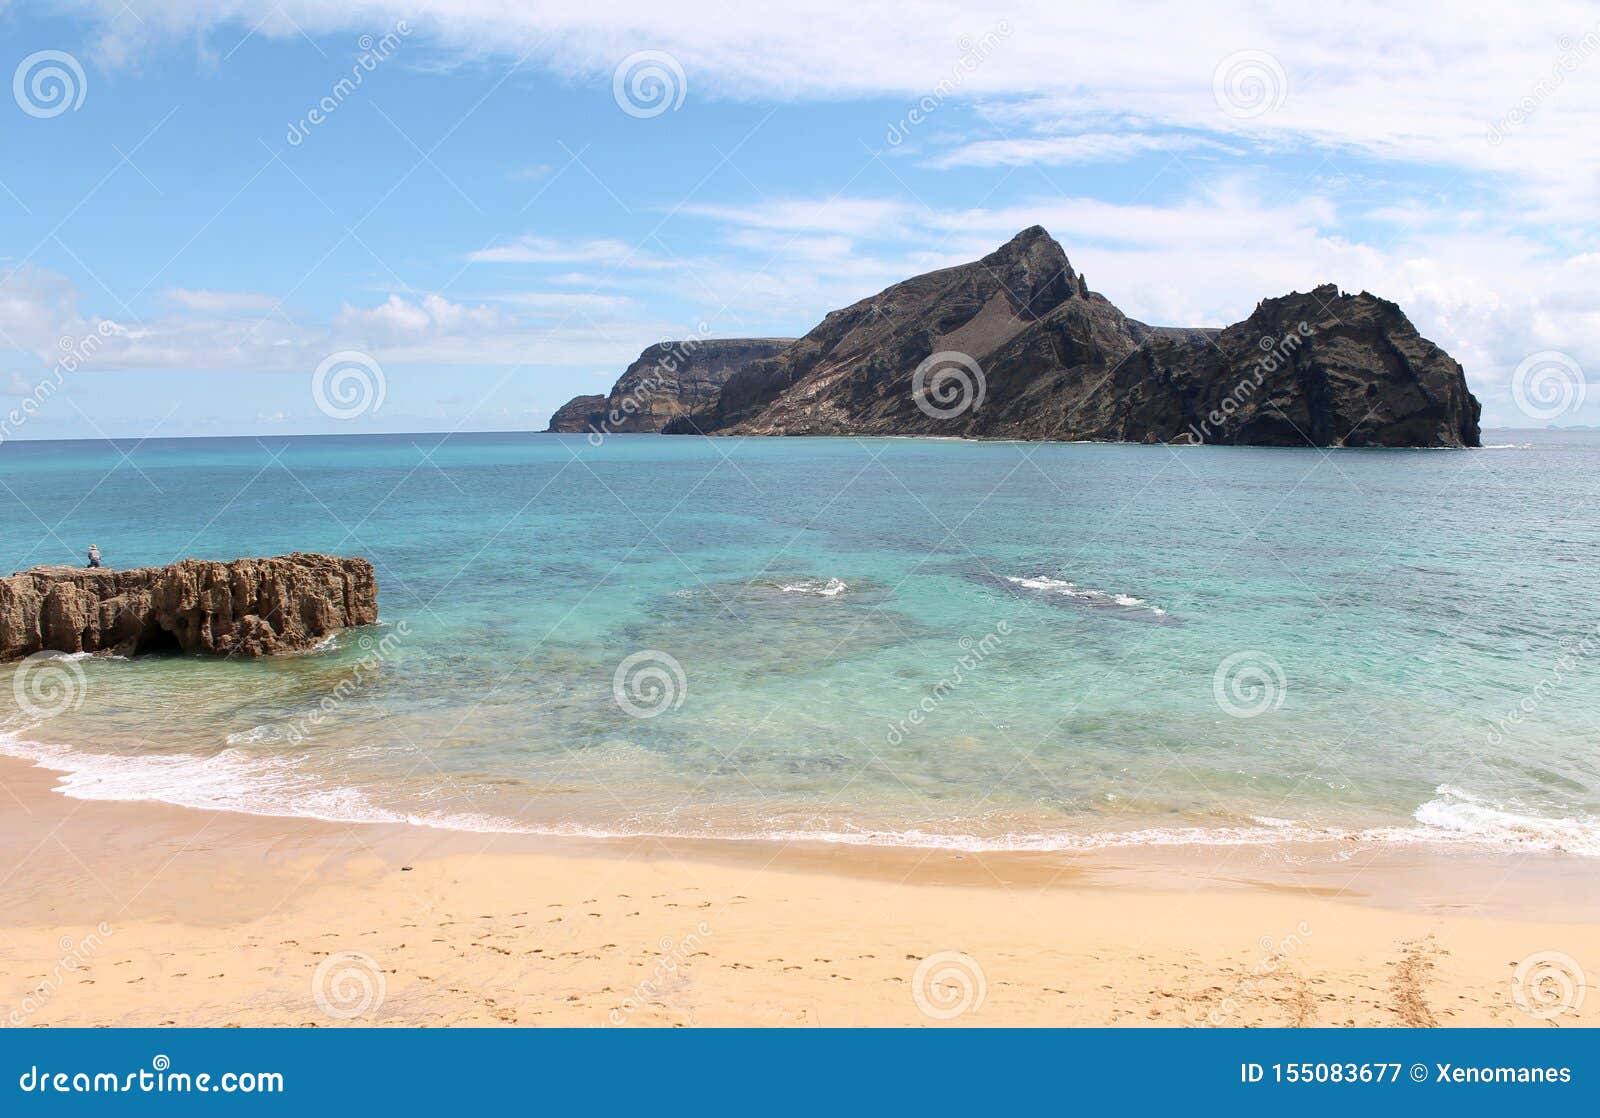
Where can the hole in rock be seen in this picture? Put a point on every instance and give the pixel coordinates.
(156, 641)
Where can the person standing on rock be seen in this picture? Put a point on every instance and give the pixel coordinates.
(94, 556)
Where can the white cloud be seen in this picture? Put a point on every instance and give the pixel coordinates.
(222, 302)
(38, 309)
(858, 217)
(1423, 82)
(400, 320)
(437, 330)
(548, 250)
(40, 318)
(591, 280)
(589, 304)
(1059, 151)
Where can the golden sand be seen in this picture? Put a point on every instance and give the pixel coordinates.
(142, 914)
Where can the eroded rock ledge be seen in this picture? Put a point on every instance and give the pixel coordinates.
(248, 607)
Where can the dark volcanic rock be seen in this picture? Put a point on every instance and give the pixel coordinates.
(581, 413)
(249, 607)
(1059, 361)
(852, 374)
(1321, 368)
(667, 380)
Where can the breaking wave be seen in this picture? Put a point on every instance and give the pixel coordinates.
(233, 780)
(831, 588)
(1058, 587)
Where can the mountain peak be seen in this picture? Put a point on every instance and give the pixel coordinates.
(1034, 241)
(1034, 270)
(1032, 233)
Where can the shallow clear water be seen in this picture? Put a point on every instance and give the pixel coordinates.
(909, 641)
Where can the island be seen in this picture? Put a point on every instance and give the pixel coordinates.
(1017, 346)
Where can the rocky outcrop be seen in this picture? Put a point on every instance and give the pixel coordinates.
(579, 414)
(1028, 351)
(249, 607)
(1321, 368)
(668, 380)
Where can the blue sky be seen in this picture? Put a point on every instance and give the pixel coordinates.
(490, 222)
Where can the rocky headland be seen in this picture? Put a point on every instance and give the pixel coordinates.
(247, 607)
(581, 413)
(666, 381)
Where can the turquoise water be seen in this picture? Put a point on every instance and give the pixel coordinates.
(983, 645)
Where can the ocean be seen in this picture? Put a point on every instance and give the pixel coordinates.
(906, 642)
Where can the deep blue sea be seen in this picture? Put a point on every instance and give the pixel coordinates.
(985, 645)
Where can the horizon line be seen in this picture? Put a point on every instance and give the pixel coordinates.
(609, 435)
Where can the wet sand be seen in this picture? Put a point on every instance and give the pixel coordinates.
(143, 914)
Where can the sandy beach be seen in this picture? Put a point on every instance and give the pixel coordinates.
(140, 914)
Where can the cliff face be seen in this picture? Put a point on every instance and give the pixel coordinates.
(249, 607)
(1040, 356)
(1322, 367)
(579, 414)
(667, 380)
(852, 373)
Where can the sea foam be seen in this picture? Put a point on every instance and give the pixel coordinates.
(233, 780)
(1043, 584)
(832, 588)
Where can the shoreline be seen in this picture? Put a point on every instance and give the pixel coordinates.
(1323, 859)
(1138, 839)
(142, 913)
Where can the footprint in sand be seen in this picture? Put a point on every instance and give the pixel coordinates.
(1406, 984)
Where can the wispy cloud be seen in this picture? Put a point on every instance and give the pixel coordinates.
(590, 304)
(1060, 151)
(548, 250)
(222, 302)
(1426, 82)
(853, 216)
